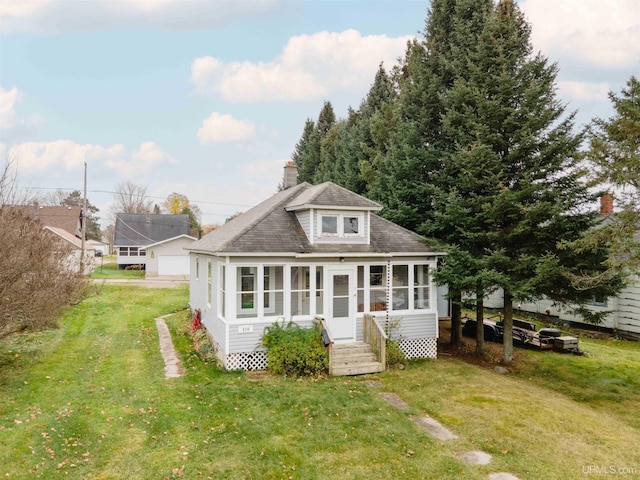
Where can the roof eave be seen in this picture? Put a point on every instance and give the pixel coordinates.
(309, 206)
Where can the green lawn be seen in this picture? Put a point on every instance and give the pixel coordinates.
(90, 401)
(110, 270)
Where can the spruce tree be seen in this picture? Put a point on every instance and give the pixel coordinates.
(532, 194)
(302, 154)
(415, 182)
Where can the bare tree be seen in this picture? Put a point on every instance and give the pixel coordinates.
(10, 192)
(131, 198)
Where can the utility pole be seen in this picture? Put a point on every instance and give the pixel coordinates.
(83, 216)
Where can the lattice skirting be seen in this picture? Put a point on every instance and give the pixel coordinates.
(420, 347)
(246, 361)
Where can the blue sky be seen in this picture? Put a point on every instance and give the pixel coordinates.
(208, 98)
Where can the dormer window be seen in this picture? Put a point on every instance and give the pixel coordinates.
(329, 225)
(341, 225)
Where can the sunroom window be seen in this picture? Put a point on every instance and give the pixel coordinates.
(300, 290)
(273, 290)
(421, 287)
(247, 292)
(400, 287)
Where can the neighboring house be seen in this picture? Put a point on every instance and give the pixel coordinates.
(98, 246)
(624, 316)
(65, 218)
(168, 258)
(72, 261)
(625, 308)
(136, 231)
(313, 252)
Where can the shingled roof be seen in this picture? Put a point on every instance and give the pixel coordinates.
(65, 218)
(272, 227)
(140, 229)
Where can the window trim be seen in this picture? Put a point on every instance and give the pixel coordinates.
(340, 219)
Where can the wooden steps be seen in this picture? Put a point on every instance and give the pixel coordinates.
(354, 359)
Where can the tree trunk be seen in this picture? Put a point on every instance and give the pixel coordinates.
(480, 323)
(507, 341)
(456, 317)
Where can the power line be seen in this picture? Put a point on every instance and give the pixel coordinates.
(138, 195)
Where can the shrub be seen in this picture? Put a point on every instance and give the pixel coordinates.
(395, 356)
(294, 351)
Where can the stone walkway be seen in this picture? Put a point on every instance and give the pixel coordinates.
(436, 429)
(172, 366)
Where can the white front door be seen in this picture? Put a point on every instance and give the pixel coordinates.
(341, 318)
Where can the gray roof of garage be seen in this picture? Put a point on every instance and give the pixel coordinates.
(140, 229)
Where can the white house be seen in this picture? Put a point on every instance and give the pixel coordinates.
(313, 252)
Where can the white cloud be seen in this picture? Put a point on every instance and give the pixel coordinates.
(10, 123)
(584, 91)
(68, 155)
(53, 16)
(219, 128)
(309, 67)
(606, 34)
(148, 157)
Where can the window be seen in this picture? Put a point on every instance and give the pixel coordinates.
(599, 301)
(300, 290)
(209, 282)
(273, 290)
(247, 292)
(420, 286)
(334, 225)
(131, 252)
(374, 279)
(400, 287)
(351, 225)
(329, 225)
(319, 291)
(197, 268)
(223, 290)
(270, 290)
(377, 288)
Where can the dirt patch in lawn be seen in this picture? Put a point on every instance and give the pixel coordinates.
(467, 350)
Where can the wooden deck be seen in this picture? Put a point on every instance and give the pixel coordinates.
(354, 359)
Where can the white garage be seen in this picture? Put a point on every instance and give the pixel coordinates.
(173, 265)
(169, 258)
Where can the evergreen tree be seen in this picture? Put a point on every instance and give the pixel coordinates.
(302, 154)
(521, 156)
(308, 152)
(75, 199)
(416, 183)
(614, 157)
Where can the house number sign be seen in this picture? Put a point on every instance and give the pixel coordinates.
(245, 329)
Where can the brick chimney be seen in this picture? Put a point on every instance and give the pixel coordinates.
(290, 175)
(606, 204)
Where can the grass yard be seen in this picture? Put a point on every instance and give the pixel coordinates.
(90, 401)
(110, 270)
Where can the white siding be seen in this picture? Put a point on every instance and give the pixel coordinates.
(242, 341)
(628, 311)
(304, 218)
(624, 316)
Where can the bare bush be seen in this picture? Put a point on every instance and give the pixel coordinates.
(36, 280)
(37, 276)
